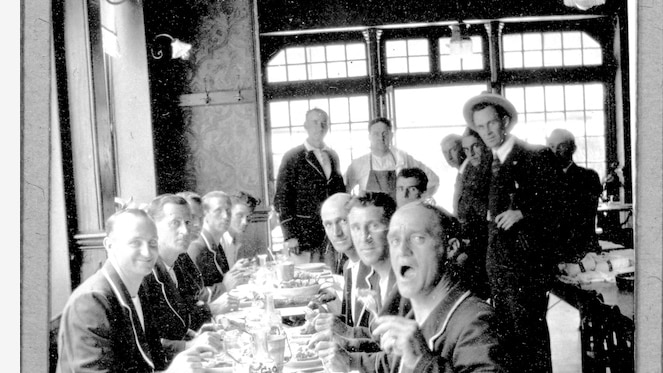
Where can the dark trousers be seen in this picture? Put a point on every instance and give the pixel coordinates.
(519, 295)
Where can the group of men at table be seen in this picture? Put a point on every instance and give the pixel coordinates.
(412, 258)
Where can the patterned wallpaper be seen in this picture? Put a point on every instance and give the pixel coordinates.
(223, 139)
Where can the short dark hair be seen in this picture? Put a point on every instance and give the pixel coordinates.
(449, 227)
(110, 222)
(155, 208)
(377, 199)
(417, 173)
(191, 197)
(501, 111)
(384, 120)
(214, 194)
(245, 199)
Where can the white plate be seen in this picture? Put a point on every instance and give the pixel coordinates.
(311, 267)
(313, 363)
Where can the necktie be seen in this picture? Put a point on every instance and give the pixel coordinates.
(173, 276)
(495, 166)
(326, 164)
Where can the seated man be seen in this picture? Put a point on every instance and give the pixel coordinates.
(410, 185)
(368, 219)
(102, 325)
(334, 214)
(196, 206)
(170, 301)
(243, 205)
(206, 251)
(448, 329)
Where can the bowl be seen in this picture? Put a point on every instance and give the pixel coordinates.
(625, 281)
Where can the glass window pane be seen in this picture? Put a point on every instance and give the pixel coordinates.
(595, 123)
(359, 109)
(592, 57)
(295, 55)
(276, 74)
(357, 68)
(477, 44)
(535, 118)
(571, 39)
(337, 70)
(356, 51)
(317, 71)
(316, 54)
(517, 97)
(552, 58)
(296, 72)
(574, 97)
(449, 63)
(572, 57)
(555, 118)
(554, 98)
(321, 103)
(397, 65)
(595, 148)
(594, 97)
(533, 59)
(513, 60)
(336, 52)
(279, 59)
(278, 114)
(417, 47)
(589, 42)
(298, 109)
(339, 110)
(552, 40)
(396, 48)
(532, 41)
(280, 140)
(512, 42)
(534, 99)
(473, 62)
(444, 45)
(419, 64)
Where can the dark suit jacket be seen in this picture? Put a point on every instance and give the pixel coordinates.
(301, 187)
(170, 314)
(582, 189)
(210, 261)
(100, 329)
(347, 308)
(528, 181)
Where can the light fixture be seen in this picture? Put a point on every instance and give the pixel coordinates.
(583, 4)
(178, 48)
(460, 44)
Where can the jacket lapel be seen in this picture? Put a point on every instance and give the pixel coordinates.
(124, 299)
(169, 290)
(313, 161)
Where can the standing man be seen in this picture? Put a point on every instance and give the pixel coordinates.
(309, 173)
(523, 225)
(452, 150)
(377, 170)
(103, 323)
(411, 185)
(582, 190)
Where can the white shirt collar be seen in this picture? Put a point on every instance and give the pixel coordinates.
(310, 147)
(503, 151)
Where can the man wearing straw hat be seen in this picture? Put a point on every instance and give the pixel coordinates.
(523, 224)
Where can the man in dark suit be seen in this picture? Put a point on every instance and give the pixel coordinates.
(582, 189)
(309, 173)
(170, 300)
(523, 225)
(103, 323)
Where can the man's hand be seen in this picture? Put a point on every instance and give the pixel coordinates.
(211, 340)
(334, 357)
(402, 337)
(224, 304)
(189, 360)
(508, 218)
(330, 322)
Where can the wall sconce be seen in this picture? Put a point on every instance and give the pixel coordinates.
(178, 48)
(460, 44)
(583, 4)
